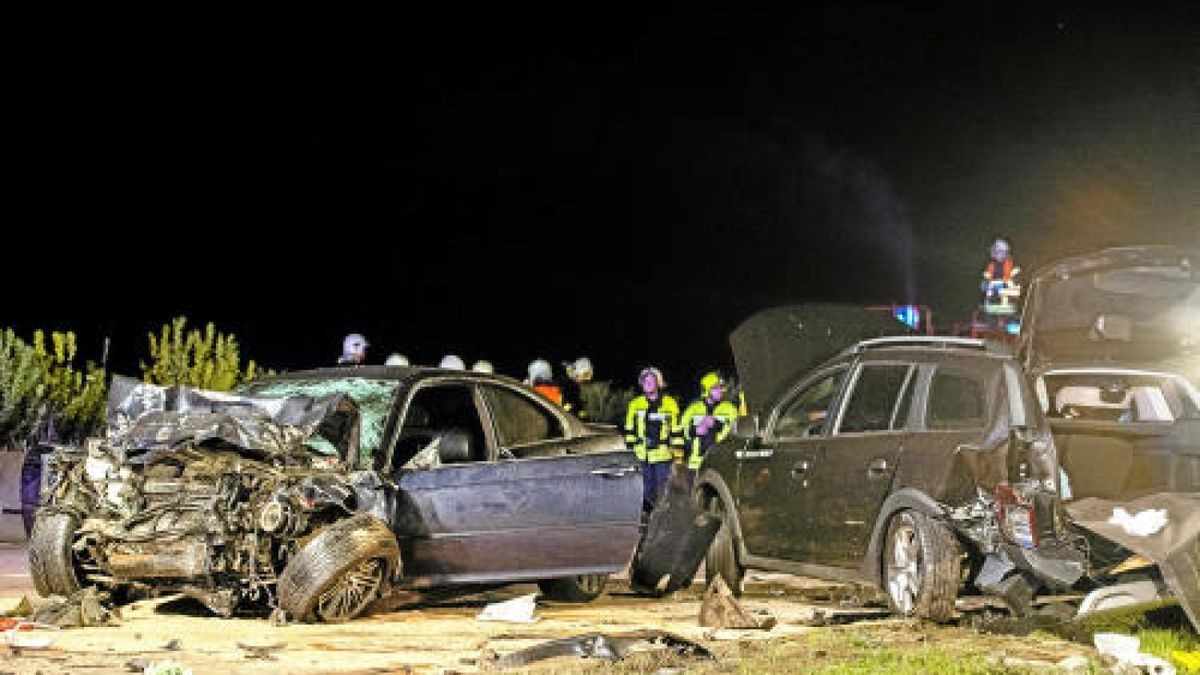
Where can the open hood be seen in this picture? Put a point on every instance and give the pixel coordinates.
(776, 345)
(145, 417)
(1129, 306)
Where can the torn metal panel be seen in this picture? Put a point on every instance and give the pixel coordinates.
(678, 533)
(607, 647)
(1175, 547)
(145, 417)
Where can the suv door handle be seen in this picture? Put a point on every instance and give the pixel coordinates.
(613, 471)
(877, 468)
(800, 468)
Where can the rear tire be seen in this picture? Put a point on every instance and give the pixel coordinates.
(584, 588)
(921, 561)
(340, 571)
(52, 563)
(721, 558)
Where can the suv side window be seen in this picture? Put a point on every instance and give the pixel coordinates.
(806, 414)
(957, 400)
(872, 404)
(519, 420)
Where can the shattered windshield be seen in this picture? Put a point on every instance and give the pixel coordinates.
(374, 398)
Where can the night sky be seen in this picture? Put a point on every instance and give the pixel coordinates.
(624, 183)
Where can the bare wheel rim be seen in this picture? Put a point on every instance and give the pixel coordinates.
(590, 583)
(904, 568)
(352, 592)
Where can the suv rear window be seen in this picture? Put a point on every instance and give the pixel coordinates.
(957, 400)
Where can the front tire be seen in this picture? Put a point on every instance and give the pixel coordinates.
(340, 571)
(52, 562)
(584, 588)
(921, 561)
(721, 557)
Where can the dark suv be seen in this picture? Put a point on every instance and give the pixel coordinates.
(911, 463)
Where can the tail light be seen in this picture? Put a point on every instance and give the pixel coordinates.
(1016, 516)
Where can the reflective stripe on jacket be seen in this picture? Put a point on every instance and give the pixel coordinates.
(652, 429)
(724, 415)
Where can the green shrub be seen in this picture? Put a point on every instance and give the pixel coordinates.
(208, 359)
(40, 384)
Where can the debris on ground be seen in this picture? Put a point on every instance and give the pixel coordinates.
(173, 645)
(265, 652)
(517, 610)
(166, 667)
(678, 533)
(23, 608)
(16, 639)
(719, 609)
(1125, 650)
(137, 665)
(83, 608)
(821, 617)
(607, 647)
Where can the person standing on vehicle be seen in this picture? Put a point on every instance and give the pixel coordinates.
(354, 350)
(652, 433)
(706, 421)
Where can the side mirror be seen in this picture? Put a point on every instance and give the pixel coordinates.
(747, 427)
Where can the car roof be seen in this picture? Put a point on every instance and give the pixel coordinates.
(925, 346)
(398, 373)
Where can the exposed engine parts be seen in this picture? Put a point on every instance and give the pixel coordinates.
(214, 524)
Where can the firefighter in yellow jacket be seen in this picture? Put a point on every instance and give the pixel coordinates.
(652, 433)
(707, 421)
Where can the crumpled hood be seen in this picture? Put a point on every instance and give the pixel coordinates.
(1174, 548)
(143, 417)
(1133, 305)
(774, 346)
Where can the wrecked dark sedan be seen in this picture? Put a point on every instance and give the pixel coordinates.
(910, 463)
(315, 493)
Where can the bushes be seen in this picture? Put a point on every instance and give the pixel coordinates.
(207, 360)
(40, 385)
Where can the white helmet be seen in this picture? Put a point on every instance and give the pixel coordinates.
(1000, 248)
(539, 371)
(354, 345)
(396, 359)
(580, 368)
(452, 362)
(483, 366)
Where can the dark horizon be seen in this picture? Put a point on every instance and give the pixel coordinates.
(507, 184)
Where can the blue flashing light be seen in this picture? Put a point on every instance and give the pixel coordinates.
(1013, 328)
(909, 315)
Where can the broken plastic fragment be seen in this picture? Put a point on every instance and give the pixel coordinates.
(1142, 524)
(517, 610)
(19, 639)
(1125, 649)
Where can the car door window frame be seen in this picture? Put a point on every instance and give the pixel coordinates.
(850, 387)
(795, 392)
(489, 437)
(503, 451)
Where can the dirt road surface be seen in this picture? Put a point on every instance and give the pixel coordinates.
(444, 636)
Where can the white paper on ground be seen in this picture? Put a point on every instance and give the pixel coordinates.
(1140, 524)
(1124, 648)
(517, 610)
